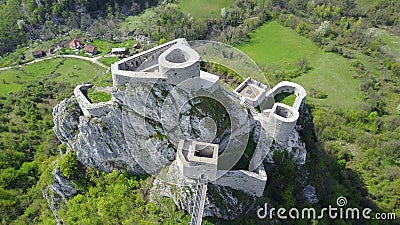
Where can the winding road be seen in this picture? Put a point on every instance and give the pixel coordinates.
(93, 60)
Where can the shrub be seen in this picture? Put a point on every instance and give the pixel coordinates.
(395, 68)
(162, 41)
(69, 164)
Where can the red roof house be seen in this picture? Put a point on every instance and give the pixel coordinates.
(39, 53)
(90, 49)
(75, 44)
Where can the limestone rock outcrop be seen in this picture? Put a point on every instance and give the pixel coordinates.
(221, 202)
(62, 186)
(66, 119)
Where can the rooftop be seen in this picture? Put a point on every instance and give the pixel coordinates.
(118, 49)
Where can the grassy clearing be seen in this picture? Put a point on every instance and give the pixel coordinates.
(203, 8)
(392, 43)
(9, 81)
(78, 71)
(104, 47)
(109, 60)
(366, 4)
(330, 73)
(132, 22)
(74, 71)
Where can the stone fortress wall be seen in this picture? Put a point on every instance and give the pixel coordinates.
(90, 109)
(251, 91)
(174, 62)
(281, 119)
(250, 182)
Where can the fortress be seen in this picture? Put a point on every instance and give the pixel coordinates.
(175, 62)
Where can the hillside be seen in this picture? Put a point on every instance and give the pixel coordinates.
(344, 53)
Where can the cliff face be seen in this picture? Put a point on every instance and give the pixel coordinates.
(98, 142)
(140, 131)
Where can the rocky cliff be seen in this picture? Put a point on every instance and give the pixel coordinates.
(139, 134)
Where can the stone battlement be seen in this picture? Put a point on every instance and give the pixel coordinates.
(90, 109)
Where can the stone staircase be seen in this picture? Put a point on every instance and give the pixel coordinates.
(198, 207)
(251, 108)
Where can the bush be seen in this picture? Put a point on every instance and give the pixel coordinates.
(317, 94)
(69, 164)
(303, 65)
(302, 28)
(162, 41)
(395, 68)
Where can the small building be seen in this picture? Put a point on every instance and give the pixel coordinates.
(119, 51)
(38, 54)
(75, 44)
(90, 49)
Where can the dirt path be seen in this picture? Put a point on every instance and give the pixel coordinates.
(93, 60)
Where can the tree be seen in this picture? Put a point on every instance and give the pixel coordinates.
(69, 164)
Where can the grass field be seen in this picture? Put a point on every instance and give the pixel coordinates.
(105, 47)
(131, 22)
(109, 60)
(392, 43)
(203, 8)
(73, 71)
(366, 4)
(331, 74)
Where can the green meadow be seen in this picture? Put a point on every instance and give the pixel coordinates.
(330, 73)
(67, 70)
(366, 4)
(390, 41)
(203, 8)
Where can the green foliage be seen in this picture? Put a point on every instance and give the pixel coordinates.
(168, 23)
(341, 163)
(227, 75)
(317, 93)
(118, 198)
(27, 139)
(363, 138)
(302, 28)
(108, 60)
(280, 188)
(162, 41)
(69, 164)
(303, 65)
(98, 96)
(73, 71)
(36, 19)
(206, 8)
(385, 13)
(10, 35)
(395, 68)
